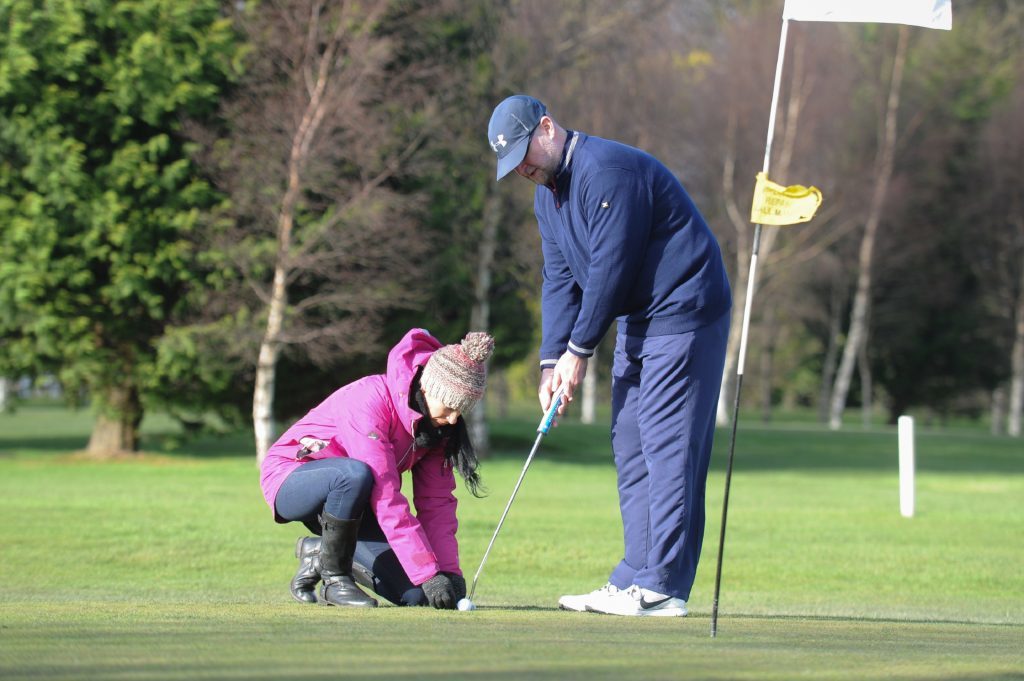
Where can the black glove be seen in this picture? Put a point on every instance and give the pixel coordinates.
(458, 584)
(440, 592)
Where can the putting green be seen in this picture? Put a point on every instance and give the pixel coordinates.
(169, 567)
(290, 641)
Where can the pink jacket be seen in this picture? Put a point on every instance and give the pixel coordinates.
(370, 420)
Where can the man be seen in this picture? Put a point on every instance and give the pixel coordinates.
(622, 240)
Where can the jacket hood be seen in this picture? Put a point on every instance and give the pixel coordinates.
(404, 360)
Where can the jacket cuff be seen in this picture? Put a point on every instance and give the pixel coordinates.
(580, 351)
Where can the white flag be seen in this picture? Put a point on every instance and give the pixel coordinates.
(927, 13)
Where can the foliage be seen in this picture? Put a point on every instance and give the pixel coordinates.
(121, 264)
(98, 198)
(461, 191)
(322, 151)
(943, 343)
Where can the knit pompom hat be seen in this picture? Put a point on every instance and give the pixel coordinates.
(456, 375)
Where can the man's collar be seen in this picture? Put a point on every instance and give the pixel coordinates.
(570, 145)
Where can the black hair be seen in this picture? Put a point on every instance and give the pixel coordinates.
(458, 451)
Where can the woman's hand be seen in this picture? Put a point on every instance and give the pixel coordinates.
(440, 592)
(458, 583)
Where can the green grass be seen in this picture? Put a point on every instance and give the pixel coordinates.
(169, 566)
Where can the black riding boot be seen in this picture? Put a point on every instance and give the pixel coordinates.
(303, 585)
(336, 551)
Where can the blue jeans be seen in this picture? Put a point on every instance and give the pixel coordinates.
(664, 397)
(341, 486)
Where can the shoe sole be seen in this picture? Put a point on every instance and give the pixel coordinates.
(666, 612)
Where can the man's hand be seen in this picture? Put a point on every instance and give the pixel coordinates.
(567, 375)
(544, 392)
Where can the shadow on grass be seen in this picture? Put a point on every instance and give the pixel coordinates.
(257, 672)
(53, 428)
(222, 670)
(518, 608)
(41, 445)
(867, 620)
(168, 444)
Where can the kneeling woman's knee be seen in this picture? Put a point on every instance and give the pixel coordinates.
(360, 478)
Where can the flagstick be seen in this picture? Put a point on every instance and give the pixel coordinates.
(746, 327)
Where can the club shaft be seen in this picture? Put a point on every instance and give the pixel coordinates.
(512, 498)
(542, 430)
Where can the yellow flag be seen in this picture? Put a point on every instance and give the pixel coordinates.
(778, 205)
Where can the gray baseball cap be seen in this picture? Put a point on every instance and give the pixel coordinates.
(511, 127)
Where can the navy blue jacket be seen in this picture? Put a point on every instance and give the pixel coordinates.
(622, 239)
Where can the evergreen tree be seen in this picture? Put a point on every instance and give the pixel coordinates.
(99, 201)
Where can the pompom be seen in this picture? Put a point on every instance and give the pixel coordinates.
(478, 346)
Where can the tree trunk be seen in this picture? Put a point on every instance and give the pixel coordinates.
(270, 347)
(264, 429)
(116, 429)
(866, 404)
(739, 286)
(480, 316)
(1013, 421)
(767, 364)
(998, 412)
(883, 174)
(725, 399)
(497, 386)
(794, 105)
(828, 369)
(6, 391)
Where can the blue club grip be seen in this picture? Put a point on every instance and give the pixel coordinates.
(545, 423)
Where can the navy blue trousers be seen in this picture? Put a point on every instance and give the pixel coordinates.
(342, 487)
(664, 399)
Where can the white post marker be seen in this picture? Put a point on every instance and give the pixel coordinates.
(905, 426)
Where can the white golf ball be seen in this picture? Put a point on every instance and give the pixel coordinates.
(465, 604)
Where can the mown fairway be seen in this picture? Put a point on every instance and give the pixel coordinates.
(169, 567)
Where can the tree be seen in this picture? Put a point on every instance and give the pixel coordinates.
(725, 148)
(943, 307)
(489, 276)
(98, 196)
(323, 135)
(475, 279)
(884, 164)
(1002, 166)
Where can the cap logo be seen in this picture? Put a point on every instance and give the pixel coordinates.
(501, 142)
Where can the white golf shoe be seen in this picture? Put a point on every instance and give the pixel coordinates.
(584, 602)
(637, 602)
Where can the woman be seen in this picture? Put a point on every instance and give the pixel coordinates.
(338, 470)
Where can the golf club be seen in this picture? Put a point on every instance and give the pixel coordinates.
(542, 429)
